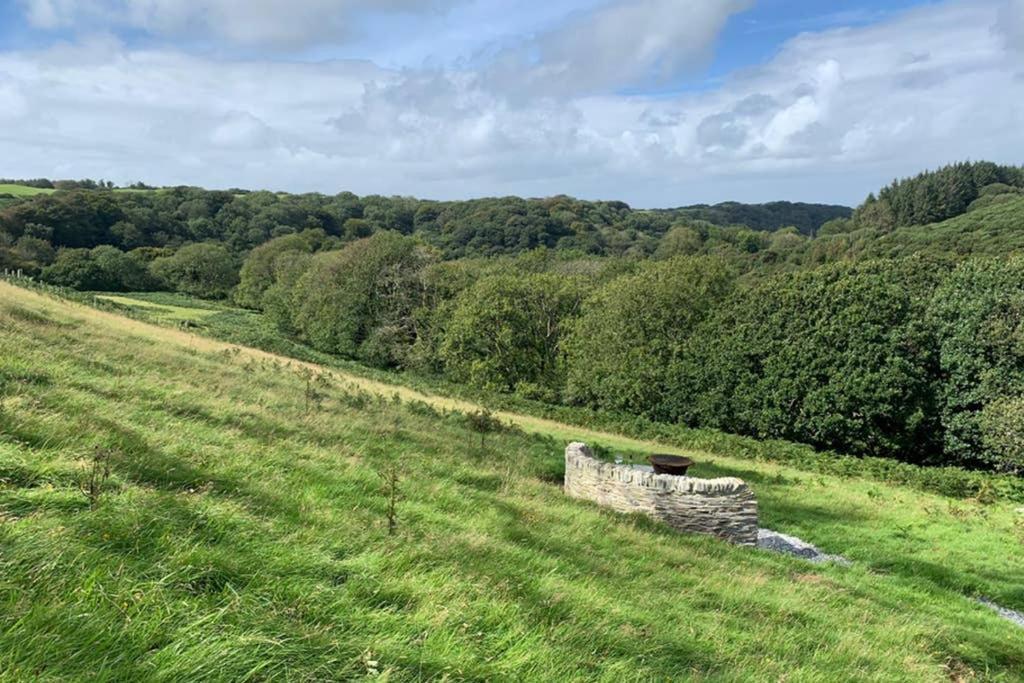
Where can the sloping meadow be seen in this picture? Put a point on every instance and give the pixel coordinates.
(173, 509)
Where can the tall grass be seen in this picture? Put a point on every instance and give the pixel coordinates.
(243, 536)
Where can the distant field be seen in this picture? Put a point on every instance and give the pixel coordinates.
(241, 536)
(158, 312)
(22, 190)
(224, 322)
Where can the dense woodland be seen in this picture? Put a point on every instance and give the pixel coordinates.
(893, 330)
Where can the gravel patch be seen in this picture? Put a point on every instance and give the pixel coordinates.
(1008, 614)
(775, 542)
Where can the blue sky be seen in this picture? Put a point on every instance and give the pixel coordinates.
(398, 39)
(753, 36)
(657, 102)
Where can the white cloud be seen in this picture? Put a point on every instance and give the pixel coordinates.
(622, 43)
(924, 88)
(242, 129)
(101, 110)
(808, 109)
(15, 104)
(277, 23)
(43, 13)
(831, 116)
(1011, 23)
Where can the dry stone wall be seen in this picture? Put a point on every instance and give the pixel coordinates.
(724, 507)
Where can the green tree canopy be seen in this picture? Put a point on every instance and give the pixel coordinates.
(360, 301)
(506, 332)
(104, 268)
(838, 357)
(633, 329)
(206, 270)
(257, 274)
(979, 318)
(75, 268)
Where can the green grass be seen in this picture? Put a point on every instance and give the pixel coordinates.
(160, 313)
(22, 190)
(242, 537)
(212, 319)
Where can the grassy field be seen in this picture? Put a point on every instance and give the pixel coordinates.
(159, 310)
(210, 319)
(241, 535)
(26, 191)
(22, 190)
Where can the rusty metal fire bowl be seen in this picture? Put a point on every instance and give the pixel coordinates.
(670, 464)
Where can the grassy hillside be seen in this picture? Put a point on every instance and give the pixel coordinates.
(241, 535)
(10, 194)
(22, 190)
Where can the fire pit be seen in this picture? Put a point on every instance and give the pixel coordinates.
(670, 464)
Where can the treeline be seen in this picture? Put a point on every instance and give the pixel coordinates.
(990, 227)
(948, 192)
(47, 184)
(746, 234)
(806, 218)
(863, 337)
(915, 359)
(936, 196)
(486, 227)
(195, 241)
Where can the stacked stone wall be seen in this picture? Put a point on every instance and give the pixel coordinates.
(725, 507)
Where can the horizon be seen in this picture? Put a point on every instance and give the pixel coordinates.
(721, 100)
(482, 197)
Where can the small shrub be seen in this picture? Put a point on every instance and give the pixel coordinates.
(96, 476)
(356, 398)
(422, 409)
(483, 422)
(315, 390)
(390, 479)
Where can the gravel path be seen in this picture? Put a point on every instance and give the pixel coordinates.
(1008, 614)
(791, 545)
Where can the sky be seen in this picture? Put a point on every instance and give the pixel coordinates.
(658, 103)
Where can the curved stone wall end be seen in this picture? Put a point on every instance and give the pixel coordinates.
(724, 507)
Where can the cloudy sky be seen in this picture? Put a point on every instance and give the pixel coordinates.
(655, 102)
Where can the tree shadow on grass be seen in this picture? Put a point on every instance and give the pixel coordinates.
(26, 502)
(545, 611)
(139, 462)
(962, 579)
(979, 637)
(1005, 587)
(985, 648)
